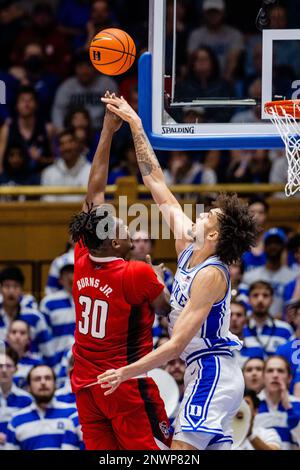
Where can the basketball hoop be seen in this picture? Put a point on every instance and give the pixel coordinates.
(285, 115)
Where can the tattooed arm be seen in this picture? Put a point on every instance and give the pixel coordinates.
(152, 174)
(99, 170)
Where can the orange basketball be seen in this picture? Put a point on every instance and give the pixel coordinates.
(112, 51)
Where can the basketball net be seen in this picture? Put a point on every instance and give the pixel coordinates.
(285, 116)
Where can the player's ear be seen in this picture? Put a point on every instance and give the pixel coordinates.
(115, 244)
(213, 236)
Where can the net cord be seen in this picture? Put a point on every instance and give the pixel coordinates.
(289, 129)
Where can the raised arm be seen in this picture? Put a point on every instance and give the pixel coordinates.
(152, 174)
(208, 288)
(99, 170)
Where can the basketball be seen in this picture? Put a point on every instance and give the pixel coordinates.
(112, 51)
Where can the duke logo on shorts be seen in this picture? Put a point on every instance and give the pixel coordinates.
(214, 383)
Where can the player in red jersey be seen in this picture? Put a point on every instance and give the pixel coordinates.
(114, 301)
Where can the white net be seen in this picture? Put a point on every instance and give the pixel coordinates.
(285, 117)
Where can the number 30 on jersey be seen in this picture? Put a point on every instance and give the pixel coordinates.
(94, 316)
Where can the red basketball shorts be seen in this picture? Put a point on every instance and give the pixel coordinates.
(131, 418)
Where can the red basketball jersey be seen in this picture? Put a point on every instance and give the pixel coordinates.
(113, 316)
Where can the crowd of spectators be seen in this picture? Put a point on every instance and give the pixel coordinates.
(49, 130)
(52, 87)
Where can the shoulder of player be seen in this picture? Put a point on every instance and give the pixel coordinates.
(138, 266)
(139, 272)
(210, 273)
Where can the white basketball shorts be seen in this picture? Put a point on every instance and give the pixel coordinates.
(214, 388)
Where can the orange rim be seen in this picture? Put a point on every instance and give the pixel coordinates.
(283, 108)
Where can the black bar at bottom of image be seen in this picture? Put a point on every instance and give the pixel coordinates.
(137, 459)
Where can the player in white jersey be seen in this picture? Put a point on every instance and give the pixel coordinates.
(200, 316)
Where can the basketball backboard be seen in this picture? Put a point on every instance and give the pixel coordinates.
(231, 116)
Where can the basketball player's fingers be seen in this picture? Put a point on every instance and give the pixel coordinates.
(109, 392)
(106, 385)
(109, 374)
(116, 111)
(109, 100)
(111, 387)
(112, 100)
(106, 379)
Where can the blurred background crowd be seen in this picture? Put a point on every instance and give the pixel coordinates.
(51, 122)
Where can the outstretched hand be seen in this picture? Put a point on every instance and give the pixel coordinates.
(111, 120)
(158, 269)
(121, 108)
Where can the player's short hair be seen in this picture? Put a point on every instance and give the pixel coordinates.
(238, 228)
(277, 356)
(12, 273)
(83, 228)
(35, 367)
(261, 284)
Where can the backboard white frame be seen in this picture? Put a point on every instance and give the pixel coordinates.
(269, 36)
(157, 48)
(252, 135)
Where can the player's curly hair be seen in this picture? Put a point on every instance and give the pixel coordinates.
(83, 227)
(238, 229)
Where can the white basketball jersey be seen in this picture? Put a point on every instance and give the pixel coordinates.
(214, 336)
